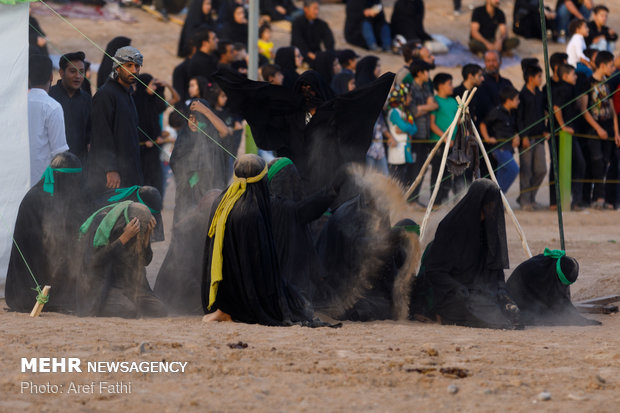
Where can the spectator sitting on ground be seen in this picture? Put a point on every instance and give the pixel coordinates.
(600, 36)
(279, 10)
(526, 19)
(309, 32)
(365, 25)
(488, 30)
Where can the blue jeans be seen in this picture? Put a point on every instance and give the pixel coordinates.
(368, 33)
(563, 16)
(508, 168)
(379, 164)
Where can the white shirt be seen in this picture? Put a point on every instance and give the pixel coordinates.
(575, 48)
(46, 131)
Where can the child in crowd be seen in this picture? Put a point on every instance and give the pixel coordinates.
(530, 114)
(265, 45)
(440, 121)
(500, 125)
(578, 31)
(601, 37)
(603, 122)
(566, 110)
(402, 127)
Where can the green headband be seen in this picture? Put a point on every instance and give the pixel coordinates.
(277, 167)
(123, 193)
(409, 228)
(48, 177)
(558, 254)
(102, 235)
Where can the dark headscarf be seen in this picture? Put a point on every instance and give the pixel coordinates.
(365, 70)
(285, 58)
(340, 83)
(324, 64)
(542, 297)
(314, 79)
(105, 68)
(233, 31)
(195, 19)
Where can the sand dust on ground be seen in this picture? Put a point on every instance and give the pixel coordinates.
(380, 366)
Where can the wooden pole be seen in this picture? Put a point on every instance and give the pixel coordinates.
(526, 248)
(38, 307)
(462, 107)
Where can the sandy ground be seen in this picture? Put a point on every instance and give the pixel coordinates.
(382, 366)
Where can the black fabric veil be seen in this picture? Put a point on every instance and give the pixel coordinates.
(285, 58)
(542, 298)
(365, 70)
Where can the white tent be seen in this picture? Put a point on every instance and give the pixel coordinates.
(14, 154)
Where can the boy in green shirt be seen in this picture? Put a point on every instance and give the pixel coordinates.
(441, 118)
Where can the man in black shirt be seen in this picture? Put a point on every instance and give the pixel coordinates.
(472, 77)
(531, 125)
(309, 32)
(114, 156)
(76, 103)
(204, 62)
(488, 30)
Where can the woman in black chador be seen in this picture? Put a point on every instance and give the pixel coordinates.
(318, 132)
(199, 15)
(199, 160)
(242, 277)
(292, 214)
(408, 20)
(46, 229)
(461, 279)
(540, 287)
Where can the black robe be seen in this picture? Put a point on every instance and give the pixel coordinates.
(355, 17)
(292, 214)
(112, 281)
(542, 298)
(199, 164)
(339, 132)
(179, 279)
(408, 20)
(202, 64)
(149, 108)
(285, 58)
(45, 231)
(105, 68)
(461, 278)
(115, 144)
(235, 32)
(324, 64)
(194, 21)
(365, 70)
(34, 32)
(252, 289)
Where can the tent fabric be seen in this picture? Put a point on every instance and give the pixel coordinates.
(14, 157)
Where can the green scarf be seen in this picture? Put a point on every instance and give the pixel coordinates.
(48, 177)
(409, 228)
(102, 235)
(277, 167)
(557, 254)
(123, 193)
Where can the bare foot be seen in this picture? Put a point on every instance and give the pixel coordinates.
(218, 315)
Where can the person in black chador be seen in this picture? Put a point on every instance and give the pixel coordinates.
(114, 156)
(317, 132)
(289, 59)
(180, 276)
(116, 248)
(235, 27)
(292, 214)
(540, 287)
(242, 278)
(199, 160)
(105, 68)
(461, 279)
(408, 20)
(47, 221)
(199, 15)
